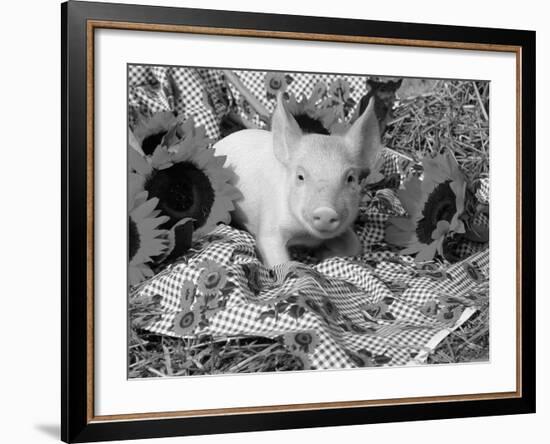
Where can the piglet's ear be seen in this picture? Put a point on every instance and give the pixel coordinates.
(363, 137)
(286, 132)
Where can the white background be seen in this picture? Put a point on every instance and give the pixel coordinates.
(29, 220)
(116, 395)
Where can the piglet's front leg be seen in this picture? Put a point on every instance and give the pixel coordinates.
(347, 244)
(273, 250)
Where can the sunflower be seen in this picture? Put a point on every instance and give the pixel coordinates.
(150, 131)
(377, 310)
(312, 118)
(186, 177)
(430, 308)
(145, 239)
(212, 278)
(304, 341)
(434, 205)
(276, 82)
(187, 320)
(449, 315)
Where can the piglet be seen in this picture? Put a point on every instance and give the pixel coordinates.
(301, 189)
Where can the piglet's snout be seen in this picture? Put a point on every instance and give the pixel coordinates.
(325, 219)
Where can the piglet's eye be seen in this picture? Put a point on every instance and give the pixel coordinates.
(301, 177)
(351, 179)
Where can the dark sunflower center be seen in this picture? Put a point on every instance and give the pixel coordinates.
(187, 319)
(310, 125)
(212, 279)
(275, 83)
(448, 315)
(303, 338)
(441, 205)
(151, 142)
(183, 191)
(133, 238)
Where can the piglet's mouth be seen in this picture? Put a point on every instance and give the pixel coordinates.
(325, 234)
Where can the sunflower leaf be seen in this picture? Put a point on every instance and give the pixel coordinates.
(266, 314)
(180, 239)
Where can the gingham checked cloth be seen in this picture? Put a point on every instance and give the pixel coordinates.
(205, 95)
(376, 309)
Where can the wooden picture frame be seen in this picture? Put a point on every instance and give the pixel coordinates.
(79, 22)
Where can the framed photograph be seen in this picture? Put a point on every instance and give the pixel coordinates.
(275, 221)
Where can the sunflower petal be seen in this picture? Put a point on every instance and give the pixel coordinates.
(458, 227)
(152, 224)
(137, 163)
(411, 196)
(138, 199)
(428, 252)
(403, 223)
(436, 169)
(459, 188)
(219, 161)
(204, 158)
(144, 209)
(133, 143)
(183, 150)
(135, 189)
(414, 247)
(138, 273)
(156, 123)
(161, 158)
(398, 237)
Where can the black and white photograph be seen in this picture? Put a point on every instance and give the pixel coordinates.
(287, 221)
(275, 222)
